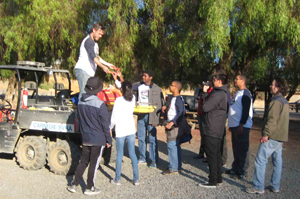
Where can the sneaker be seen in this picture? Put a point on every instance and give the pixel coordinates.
(253, 190)
(92, 191)
(238, 177)
(136, 182)
(152, 166)
(114, 181)
(200, 156)
(272, 189)
(72, 188)
(230, 172)
(169, 172)
(208, 185)
(142, 162)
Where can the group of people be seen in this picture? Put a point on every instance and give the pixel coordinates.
(215, 106)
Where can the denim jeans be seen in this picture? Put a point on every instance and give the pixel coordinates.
(174, 153)
(131, 150)
(271, 148)
(82, 78)
(143, 125)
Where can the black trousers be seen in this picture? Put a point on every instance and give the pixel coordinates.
(90, 155)
(224, 148)
(240, 147)
(212, 148)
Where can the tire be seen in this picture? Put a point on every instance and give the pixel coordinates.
(63, 157)
(31, 153)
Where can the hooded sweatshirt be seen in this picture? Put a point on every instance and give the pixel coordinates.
(93, 121)
(215, 112)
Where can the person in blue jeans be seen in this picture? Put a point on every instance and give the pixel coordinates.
(148, 93)
(123, 121)
(175, 113)
(274, 133)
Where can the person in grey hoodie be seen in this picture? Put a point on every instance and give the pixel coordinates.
(215, 113)
(94, 128)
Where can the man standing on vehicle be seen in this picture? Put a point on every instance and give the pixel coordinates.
(215, 113)
(89, 57)
(240, 122)
(95, 132)
(148, 93)
(274, 133)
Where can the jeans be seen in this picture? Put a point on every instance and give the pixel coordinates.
(131, 150)
(212, 148)
(271, 148)
(82, 78)
(174, 153)
(240, 147)
(201, 151)
(143, 125)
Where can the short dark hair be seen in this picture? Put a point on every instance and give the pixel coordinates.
(98, 26)
(149, 72)
(243, 77)
(127, 90)
(178, 85)
(221, 77)
(282, 85)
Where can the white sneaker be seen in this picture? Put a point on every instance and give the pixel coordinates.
(92, 191)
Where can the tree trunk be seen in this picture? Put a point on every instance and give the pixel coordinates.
(11, 94)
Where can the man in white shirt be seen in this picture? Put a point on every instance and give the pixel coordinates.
(148, 93)
(240, 122)
(89, 57)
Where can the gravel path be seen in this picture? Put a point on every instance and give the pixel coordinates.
(19, 183)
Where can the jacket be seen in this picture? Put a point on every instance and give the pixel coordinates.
(215, 112)
(155, 97)
(199, 111)
(93, 121)
(276, 124)
(180, 127)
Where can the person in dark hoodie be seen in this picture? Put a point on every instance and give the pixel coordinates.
(215, 113)
(94, 128)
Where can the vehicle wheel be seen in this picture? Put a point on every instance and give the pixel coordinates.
(31, 153)
(63, 157)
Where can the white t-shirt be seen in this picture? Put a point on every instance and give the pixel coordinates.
(122, 117)
(144, 94)
(88, 51)
(172, 110)
(236, 109)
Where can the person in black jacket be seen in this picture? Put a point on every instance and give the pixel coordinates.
(215, 112)
(94, 128)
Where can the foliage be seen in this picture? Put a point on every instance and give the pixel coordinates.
(178, 39)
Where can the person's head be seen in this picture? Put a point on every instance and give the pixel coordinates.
(127, 91)
(98, 31)
(175, 87)
(147, 76)
(279, 85)
(93, 86)
(219, 80)
(240, 81)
